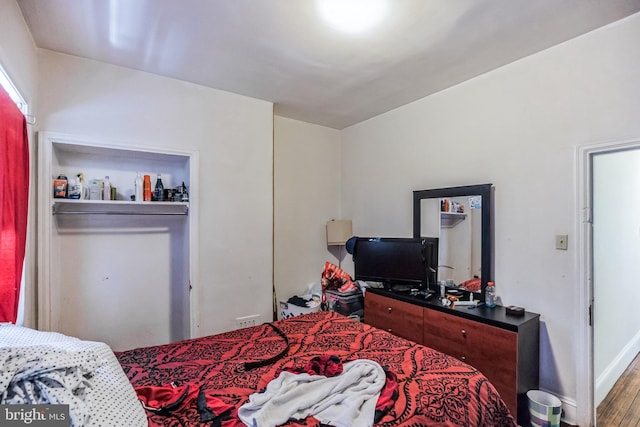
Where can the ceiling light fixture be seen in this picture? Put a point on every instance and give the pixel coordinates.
(352, 16)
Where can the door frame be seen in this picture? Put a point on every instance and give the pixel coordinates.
(584, 199)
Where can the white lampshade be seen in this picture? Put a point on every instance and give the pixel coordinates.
(338, 231)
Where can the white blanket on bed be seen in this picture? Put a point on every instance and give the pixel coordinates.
(346, 400)
(110, 401)
(46, 374)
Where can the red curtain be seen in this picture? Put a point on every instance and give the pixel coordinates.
(14, 197)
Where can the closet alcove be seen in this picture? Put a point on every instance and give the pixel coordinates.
(118, 271)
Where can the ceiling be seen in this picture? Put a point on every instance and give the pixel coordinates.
(282, 52)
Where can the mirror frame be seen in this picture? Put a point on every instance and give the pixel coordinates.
(487, 228)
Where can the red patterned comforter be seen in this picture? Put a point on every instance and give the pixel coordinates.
(434, 389)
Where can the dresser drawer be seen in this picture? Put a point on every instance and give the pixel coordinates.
(399, 318)
(441, 327)
(495, 354)
(491, 350)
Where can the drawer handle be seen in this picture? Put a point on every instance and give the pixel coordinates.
(389, 330)
(463, 358)
(464, 332)
(389, 309)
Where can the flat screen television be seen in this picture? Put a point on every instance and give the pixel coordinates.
(397, 260)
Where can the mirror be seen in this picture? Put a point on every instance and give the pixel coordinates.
(461, 219)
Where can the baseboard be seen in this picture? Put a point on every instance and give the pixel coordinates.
(605, 381)
(569, 410)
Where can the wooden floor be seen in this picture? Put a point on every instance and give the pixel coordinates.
(621, 407)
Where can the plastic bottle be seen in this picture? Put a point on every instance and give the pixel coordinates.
(95, 192)
(185, 193)
(146, 194)
(158, 193)
(490, 295)
(84, 190)
(106, 189)
(138, 188)
(74, 189)
(60, 187)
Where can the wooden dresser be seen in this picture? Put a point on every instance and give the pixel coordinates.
(504, 348)
(400, 318)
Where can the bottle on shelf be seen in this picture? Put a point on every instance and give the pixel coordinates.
(158, 193)
(185, 193)
(60, 187)
(490, 295)
(95, 192)
(146, 195)
(138, 188)
(106, 189)
(84, 190)
(74, 189)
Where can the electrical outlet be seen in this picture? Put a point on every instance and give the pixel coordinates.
(562, 242)
(246, 321)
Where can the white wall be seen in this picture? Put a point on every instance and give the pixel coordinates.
(616, 251)
(17, 52)
(233, 136)
(516, 127)
(18, 57)
(307, 165)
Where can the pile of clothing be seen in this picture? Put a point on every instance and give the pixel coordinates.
(353, 394)
(333, 277)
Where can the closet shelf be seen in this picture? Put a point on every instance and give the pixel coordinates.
(117, 207)
(451, 219)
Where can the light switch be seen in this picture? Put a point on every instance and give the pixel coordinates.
(562, 241)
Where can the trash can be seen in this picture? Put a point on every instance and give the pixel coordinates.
(544, 409)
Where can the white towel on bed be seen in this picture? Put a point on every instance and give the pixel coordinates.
(346, 400)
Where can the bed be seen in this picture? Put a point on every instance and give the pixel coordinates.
(214, 380)
(219, 373)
